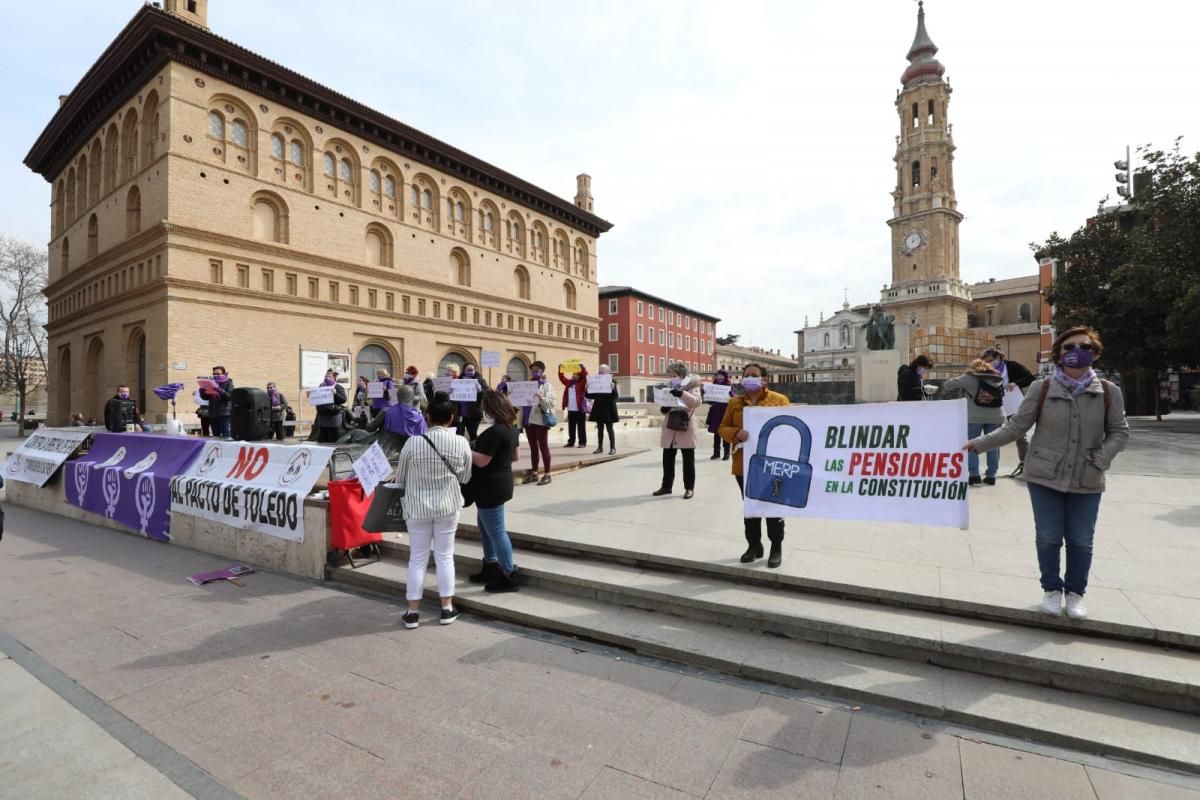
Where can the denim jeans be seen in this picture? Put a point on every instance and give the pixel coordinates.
(497, 547)
(1058, 516)
(220, 427)
(974, 431)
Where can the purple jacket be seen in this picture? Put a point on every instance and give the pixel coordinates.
(380, 403)
(404, 420)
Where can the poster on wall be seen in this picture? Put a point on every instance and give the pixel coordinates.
(41, 454)
(126, 477)
(315, 363)
(259, 487)
(881, 462)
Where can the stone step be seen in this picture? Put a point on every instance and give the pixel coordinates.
(1141, 673)
(1099, 725)
(967, 605)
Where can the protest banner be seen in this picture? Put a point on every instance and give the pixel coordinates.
(489, 358)
(127, 477)
(208, 387)
(375, 389)
(259, 487)
(464, 390)
(372, 467)
(570, 367)
(663, 397)
(599, 384)
(882, 462)
(523, 394)
(1013, 397)
(442, 384)
(41, 454)
(715, 393)
(320, 396)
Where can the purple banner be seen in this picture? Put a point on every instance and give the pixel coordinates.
(127, 477)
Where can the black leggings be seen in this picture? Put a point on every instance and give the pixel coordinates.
(469, 426)
(754, 524)
(277, 430)
(717, 442)
(689, 467)
(612, 437)
(576, 428)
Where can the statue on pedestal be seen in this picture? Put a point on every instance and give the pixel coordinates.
(881, 331)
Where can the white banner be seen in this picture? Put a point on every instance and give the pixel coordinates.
(1012, 401)
(464, 390)
(443, 384)
(523, 394)
(43, 452)
(663, 397)
(715, 393)
(489, 358)
(883, 462)
(371, 468)
(374, 389)
(320, 396)
(599, 384)
(259, 487)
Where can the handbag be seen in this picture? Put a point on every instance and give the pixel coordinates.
(386, 512)
(464, 488)
(989, 396)
(677, 420)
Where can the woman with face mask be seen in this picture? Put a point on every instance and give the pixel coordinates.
(219, 403)
(412, 379)
(910, 378)
(716, 413)
(679, 432)
(469, 412)
(985, 413)
(278, 405)
(1079, 426)
(378, 404)
(361, 402)
(491, 487)
(329, 416)
(604, 414)
(574, 402)
(536, 419)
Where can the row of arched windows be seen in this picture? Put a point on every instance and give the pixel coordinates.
(112, 158)
(133, 225)
(418, 201)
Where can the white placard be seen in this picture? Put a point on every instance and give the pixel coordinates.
(443, 384)
(599, 384)
(663, 397)
(371, 468)
(321, 396)
(374, 390)
(715, 392)
(1013, 397)
(523, 394)
(255, 486)
(489, 358)
(883, 462)
(43, 452)
(464, 390)
(360, 411)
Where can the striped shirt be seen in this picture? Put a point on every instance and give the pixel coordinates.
(430, 489)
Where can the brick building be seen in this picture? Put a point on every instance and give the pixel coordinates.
(210, 206)
(641, 334)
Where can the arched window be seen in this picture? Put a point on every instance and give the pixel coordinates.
(239, 134)
(111, 137)
(424, 201)
(70, 191)
(129, 144)
(346, 173)
(329, 166)
(216, 125)
(289, 164)
(569, 294)
(539, 240)
(93, 240)
(521, 279)
(460, 267)
(81, 198)
(458, 359)
(93, 378)
(150, 127)
(562, 248)
(96, 167)
(916, 174)
(269, 220)
(582, 258)
(517, 369)
(514, 232)
(845, 335)
(133, 211)
(379, 246)
(232, 131)
(1025, 312)
(66, 255)
(371, 359)
(389, 187)
(487, 219)
(296, 153)
(135, 366)
(827, 340)
(60, 209)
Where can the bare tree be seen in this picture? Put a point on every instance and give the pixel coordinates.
(22, 317)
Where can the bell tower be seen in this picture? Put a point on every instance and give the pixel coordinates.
(925, 287)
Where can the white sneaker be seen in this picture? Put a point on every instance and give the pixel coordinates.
(1075, 607)
(1052, 604)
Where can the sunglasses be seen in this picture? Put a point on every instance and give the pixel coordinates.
(1085, 346)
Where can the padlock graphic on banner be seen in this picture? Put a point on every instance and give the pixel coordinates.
(782, 481)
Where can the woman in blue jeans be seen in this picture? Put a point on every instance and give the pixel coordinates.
(984, 388)
(1080, 428)
(491, 487)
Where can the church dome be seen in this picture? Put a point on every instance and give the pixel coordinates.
(922, 66)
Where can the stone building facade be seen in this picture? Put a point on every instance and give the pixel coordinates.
(212, 207)
(828, 349)
(1007, 312)
(782, 369)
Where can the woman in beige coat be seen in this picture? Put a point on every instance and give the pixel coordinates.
(679, 431)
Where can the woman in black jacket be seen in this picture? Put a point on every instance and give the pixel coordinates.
(910, 379)
(329, 416)
(219, 402)
(604, 414)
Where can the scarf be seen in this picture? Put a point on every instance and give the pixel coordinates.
(274, 395)
(1076, 386)
(221, 378)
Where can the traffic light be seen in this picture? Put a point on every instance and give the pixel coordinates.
(1123, 178)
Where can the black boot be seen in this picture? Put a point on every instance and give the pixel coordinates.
(753, 552)
(776, 557)
(490, 571)
(503, 583)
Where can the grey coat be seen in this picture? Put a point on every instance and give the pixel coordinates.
(1074, 443)
(969, 384)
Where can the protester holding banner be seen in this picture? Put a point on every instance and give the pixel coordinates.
(431, 468)
(1079, 426)
(910, 378)
(410, 380)
(491, 487)
(1017, 378)
(537, 420)
(278, 404)
(120, 412)
(755, 394)
(329, 415)
(716, 413)
(679, 432)
(378, 404)
(219, 402)
(604, 414)
(985, 413)
(575, 403)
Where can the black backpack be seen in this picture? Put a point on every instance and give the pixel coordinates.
(988, 396)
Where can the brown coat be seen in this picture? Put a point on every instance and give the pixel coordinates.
(732, 423)
(683, 440)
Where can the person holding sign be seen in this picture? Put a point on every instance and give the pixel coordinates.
(575, 404)
(537, 419)
(1017, 379)
(361, 401)
(469, 412)
(278, 404)
(1079, 427)
(378, 404)
(604, 414)
(411, 380)
(679, 431)
(329, 415)
(754, 382)
(985, 413)
(716, 413)
(219, 393)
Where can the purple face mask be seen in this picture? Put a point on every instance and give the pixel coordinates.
(1077, 358)
(329, 381)
(752, 384)
(123, 395)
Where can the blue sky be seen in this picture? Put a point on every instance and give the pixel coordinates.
(743, 151)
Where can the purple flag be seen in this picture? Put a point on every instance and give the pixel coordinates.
(127, 477)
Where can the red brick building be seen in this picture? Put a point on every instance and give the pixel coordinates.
(641, 334)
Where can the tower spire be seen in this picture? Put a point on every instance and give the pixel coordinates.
(922, 66)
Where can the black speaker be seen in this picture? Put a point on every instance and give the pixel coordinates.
(250, 414)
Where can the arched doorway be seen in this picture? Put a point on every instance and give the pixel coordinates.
(93, 374)
(136, 367)
(453, 357)
(62, 391)
(372, 358)
(517, 369)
